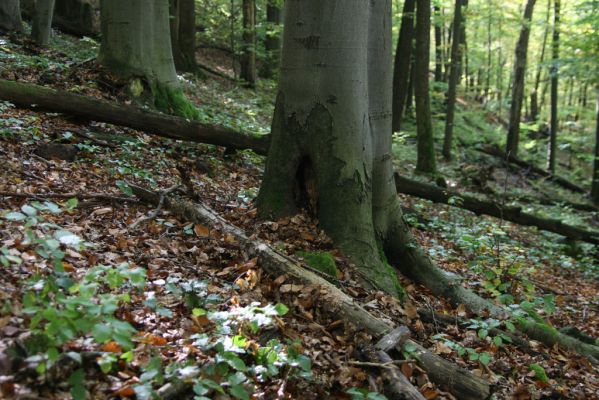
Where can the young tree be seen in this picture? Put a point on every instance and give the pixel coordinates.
(331, 143)
(534, 96)
(426, 145)
(438, 43)
(552, 149)
(403, 58)
(456, 59)
(272, 41)
(10, 16)
(41, 28)
(595, 187)
(136, 44)
(513, 135)
(248, 56)
(183, 34)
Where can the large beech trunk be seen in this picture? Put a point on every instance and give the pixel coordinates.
(10, 16)
(38, 97)
(513, 136)
(478, 206)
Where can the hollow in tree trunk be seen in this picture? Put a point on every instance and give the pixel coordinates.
(403, 57)
(248, 56)
(331, 143)
(183, 34)
(41, 28)
(10, 16)
(513, 135)
(136, 46)
(456, 59)
(552, 149)
(272, 41)
(424, 126)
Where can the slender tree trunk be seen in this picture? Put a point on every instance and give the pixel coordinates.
(410, 95)
(403, 58)
(183, 34)
(535, 109)
(77, 17)
(10, 16)
(595, 188)
(248, 56)
(438, 44)
(426, 145)
(272, 42)
(136, 44)
(570, 91)
(489, 50)
(463, 65)
(456, 59)
(551, 157)
(513, 136)
(41, 28)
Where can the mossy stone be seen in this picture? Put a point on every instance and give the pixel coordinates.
(321, 261)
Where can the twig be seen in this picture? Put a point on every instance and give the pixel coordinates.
(154, 213)
(388, 365)
(98, 196)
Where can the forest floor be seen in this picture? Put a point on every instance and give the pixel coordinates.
(101, 296)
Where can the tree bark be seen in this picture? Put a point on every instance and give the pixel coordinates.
(248, 56)
(438, 44)
(10, 16)
(552, 149)
(403, 59)
(41, 27)
(477, 206)
(272, 41)
(534, 96)
(426, 146)
(595, 187)
(513, 135)
(183, 34)
(38, 97)
(456, 58)
(77, 17)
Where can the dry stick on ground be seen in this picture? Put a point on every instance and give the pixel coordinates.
(155, 212)
(497, 152)
(38, 97)
(509, 213)
(397, 385)
(455, 379)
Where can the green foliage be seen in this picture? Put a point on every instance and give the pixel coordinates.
(321, 261)
(539, 373)
(473, 355)
(364, 394)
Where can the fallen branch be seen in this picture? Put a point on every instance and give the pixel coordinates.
(38, 97)
(497, 152)
(217, 73)
(155, 212)
(509, 213)
(457, 380)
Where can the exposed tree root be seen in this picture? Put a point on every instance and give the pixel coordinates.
(457, 380)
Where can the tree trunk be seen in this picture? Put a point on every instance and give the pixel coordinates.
(426, 146)
(10, 16)
(438, 44)
(410, 94)
(136, 44)
(77, 17)
(552, 149)
(463, 46)
(489, 52)
(41, 27)
(272, 41)
(595, 188)
(456, 59)
(183, 34)
(513, 135)
(248, 56)
(403, 59)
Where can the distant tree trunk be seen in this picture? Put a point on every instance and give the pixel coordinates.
(489, 50)
(570, 91)
(403, 58)
(551, 157)
(456, 59)
(272, 42)
(595, 189)
(77, 17)
(410, 94)
(513, 136)
(41, 27)
(535, 110)
(183, 34)
(463, 46)
(136, 44)
(10, 16)
(426, 146)
(438, 44)
(248, 56)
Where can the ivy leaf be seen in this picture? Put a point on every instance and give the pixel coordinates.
(485, 358)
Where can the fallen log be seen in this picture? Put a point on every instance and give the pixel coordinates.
(38, 97)
(509, 213)
(458, 381)
(544, 201)
(497, 152)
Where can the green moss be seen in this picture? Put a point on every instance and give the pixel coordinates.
(173, 101)
(540, 374)
(322, 261)
(391, 273)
